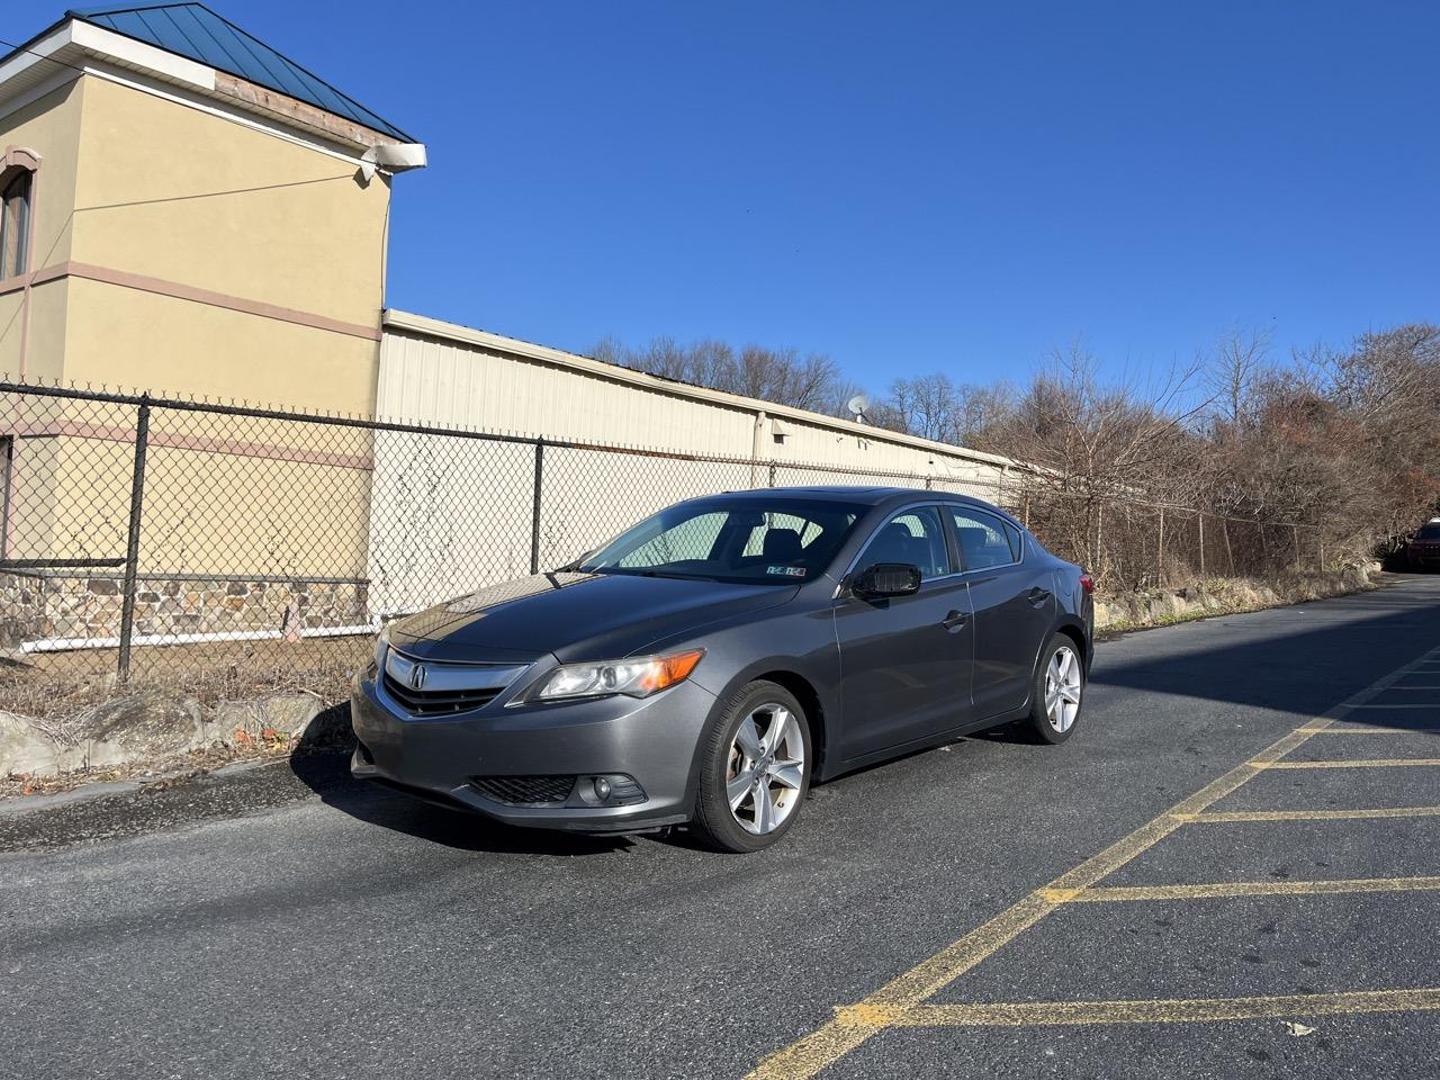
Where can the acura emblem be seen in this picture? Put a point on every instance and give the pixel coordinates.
(417, 677)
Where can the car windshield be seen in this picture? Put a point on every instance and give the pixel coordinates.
(759, 540)
(1428, 532)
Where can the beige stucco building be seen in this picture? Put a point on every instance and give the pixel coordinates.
(176, 226)
(189, 229)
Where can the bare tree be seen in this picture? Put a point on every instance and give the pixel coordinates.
(783, 376)
(1240, 361)
(1341, 443)
(1097, 445)
(934, 407)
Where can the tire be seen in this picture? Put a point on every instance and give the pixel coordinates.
(730, 756)
(1053, 719)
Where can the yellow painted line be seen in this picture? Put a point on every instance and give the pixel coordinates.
(1364, 763)
(1178, 1010)
(852, 1025)
(1371, 729)
(1213, 890)
(1214, 817)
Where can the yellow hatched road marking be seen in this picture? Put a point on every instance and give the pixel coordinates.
(1213, 817)
(1363, 763)
(1178, 1010)
(1211, 890)
(853, 1025)
(1371, 729)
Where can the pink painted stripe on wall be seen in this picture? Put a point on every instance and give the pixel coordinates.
(179, 441)
(176, 290)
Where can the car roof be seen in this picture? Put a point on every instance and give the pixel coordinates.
(865, 496)
(852, 493)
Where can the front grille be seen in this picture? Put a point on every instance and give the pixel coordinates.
(525, 790)
(439, 702)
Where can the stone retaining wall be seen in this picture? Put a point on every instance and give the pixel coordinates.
(36, 607)
(22, 609)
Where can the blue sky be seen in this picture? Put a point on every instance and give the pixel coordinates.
(908, 187)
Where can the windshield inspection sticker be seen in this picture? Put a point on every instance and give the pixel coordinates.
(786, 571)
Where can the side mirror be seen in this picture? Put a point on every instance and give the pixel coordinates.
(886, 579)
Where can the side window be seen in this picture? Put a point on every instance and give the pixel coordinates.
(985, 540)
(914, 536)
(693, 538)
(1017, 546)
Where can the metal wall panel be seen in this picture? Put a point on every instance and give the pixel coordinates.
(478, 382)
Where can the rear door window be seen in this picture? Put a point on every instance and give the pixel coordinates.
(986, 541)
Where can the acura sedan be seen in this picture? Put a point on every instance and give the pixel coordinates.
(711, 663)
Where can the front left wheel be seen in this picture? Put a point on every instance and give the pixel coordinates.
(755, 769)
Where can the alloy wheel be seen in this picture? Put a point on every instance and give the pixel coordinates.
(765, 769)
(1063, 685)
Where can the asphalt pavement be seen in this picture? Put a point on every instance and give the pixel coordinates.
(1232, 869)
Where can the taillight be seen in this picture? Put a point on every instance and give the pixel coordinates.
(1087, 583)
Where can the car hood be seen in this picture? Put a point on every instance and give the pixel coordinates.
(575, 616)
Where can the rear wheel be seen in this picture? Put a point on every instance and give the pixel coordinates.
(755, 769)
(1059, 687)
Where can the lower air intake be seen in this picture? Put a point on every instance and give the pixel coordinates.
(525, 790)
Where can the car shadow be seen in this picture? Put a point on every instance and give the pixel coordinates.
(321, 761)
(1295, 670)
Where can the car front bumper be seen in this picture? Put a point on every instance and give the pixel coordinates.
(653, 740)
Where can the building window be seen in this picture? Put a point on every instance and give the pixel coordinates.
(15, 195)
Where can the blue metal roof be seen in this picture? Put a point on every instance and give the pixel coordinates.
(194, 31)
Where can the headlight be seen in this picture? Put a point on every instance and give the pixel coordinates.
(638, 676)
(381, 644)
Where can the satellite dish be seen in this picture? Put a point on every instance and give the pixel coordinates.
(857, 407)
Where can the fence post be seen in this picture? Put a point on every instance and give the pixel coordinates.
(772, 474)
(1295, 532)
(132, 538)
(1200, 517)
(1160, 550)
(535, 506)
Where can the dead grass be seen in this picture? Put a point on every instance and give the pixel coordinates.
(1202, 599)
(52, 686)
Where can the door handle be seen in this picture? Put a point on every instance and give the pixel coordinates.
(1037, 596)
(955, 620)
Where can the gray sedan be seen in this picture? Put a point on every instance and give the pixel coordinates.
(709, 664)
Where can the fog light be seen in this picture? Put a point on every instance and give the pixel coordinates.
(609, 789)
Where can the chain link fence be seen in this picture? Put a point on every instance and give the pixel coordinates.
(234, 552)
